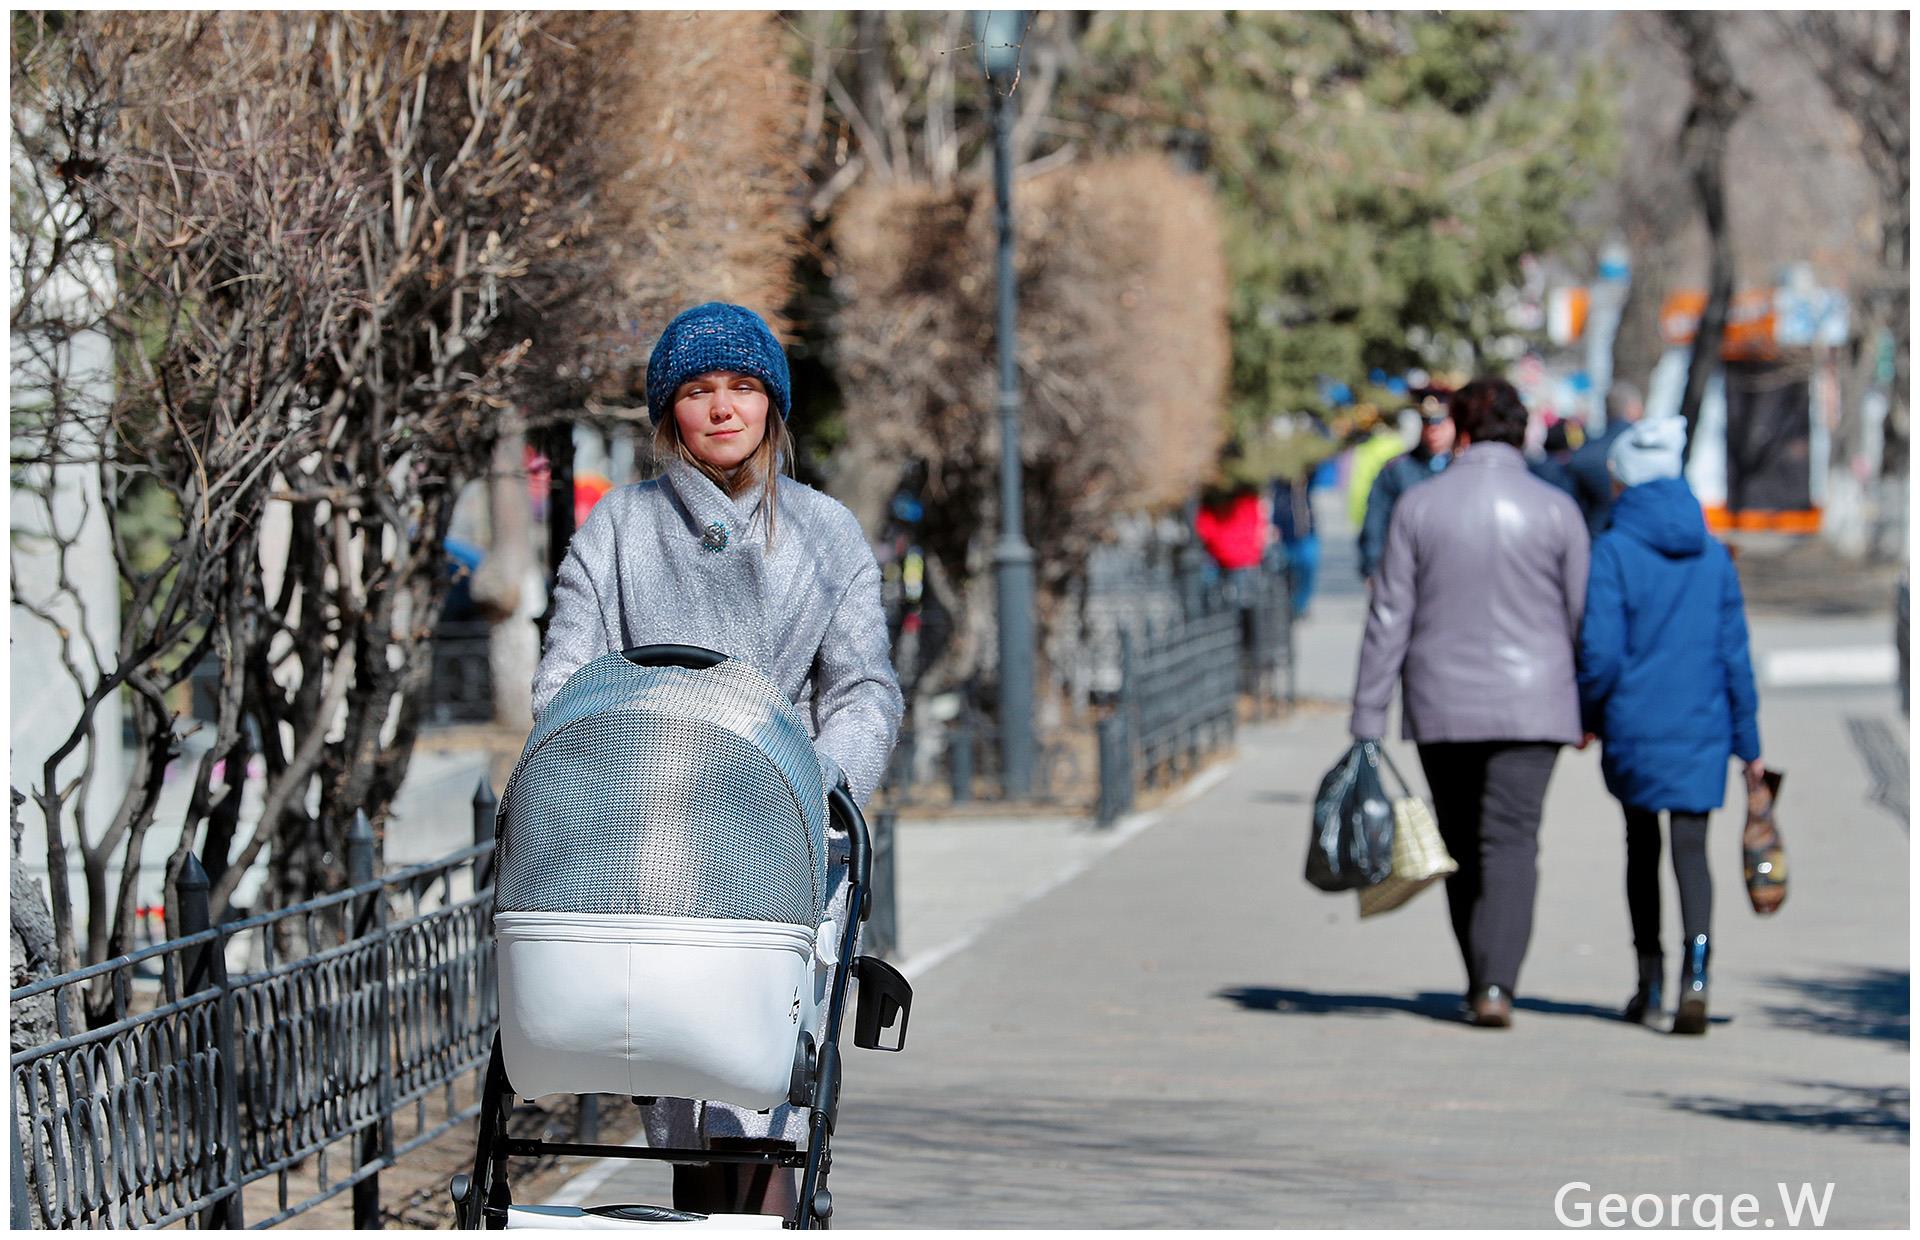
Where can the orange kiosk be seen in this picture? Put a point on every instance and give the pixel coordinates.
(1769, 413)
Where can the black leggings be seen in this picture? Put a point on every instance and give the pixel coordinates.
(1689, 869)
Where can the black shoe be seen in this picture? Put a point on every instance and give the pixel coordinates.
(1692, 1016)
(1646, 997)
(1492, 1008)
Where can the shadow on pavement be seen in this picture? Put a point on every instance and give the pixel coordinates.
(1434, 1005)
(1886, 761)
(1868, 1003)
(1876, 1112)
(1431, 1004)
(1553, 1007)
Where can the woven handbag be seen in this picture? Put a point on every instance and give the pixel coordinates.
(1420, 856)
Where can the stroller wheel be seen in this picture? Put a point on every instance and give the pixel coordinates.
(800, 1089)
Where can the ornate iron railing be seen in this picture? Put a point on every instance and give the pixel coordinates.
(1181, 690)
(281, 1046)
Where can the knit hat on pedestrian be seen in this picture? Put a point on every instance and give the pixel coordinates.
(716, 336)
(1648, 451)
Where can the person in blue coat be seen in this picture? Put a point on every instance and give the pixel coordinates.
(1666, 684)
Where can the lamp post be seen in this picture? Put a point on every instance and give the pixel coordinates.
(998, 34)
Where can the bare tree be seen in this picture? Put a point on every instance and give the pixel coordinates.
(335, 257)
(1864, 61)
(1718, 99)
(319, 239)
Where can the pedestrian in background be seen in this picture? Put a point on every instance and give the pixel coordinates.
(1475, 613)
(1427, 459)
(1380, 443)
(1592, 483)
(1292, 501)
(1234, 527)
(1666, 683)
(1554, 465)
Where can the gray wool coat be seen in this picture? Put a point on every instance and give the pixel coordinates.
(676, 560)
(1476, 611)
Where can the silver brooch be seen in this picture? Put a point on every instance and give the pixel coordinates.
(714, 537)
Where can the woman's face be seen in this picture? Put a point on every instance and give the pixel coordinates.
(722, 416)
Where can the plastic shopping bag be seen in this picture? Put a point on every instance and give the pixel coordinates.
(1352, 843)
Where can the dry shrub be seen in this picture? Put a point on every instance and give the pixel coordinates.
(1123, 352)
(696, 175)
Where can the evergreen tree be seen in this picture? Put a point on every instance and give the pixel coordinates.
(1382, 175)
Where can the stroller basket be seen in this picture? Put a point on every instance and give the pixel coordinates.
(661, 887)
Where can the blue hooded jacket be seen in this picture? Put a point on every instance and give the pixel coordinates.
(1665, 678)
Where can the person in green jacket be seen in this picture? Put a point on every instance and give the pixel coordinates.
(1369, 457)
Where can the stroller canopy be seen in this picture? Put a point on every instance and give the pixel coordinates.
(666, 791)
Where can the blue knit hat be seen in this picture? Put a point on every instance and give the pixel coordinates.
(716, 336)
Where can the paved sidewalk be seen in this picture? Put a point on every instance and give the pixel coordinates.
(957, 879)
(1189, 1035)
(1165, 1026)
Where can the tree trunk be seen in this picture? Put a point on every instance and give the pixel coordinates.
(1718, 99)
(33, 954)
(34, 951)
(508, 586)
(1895, 308)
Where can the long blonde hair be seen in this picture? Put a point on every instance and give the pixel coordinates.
(762, 469)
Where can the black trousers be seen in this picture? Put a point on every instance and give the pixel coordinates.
(1689, 833)
(1488, 796)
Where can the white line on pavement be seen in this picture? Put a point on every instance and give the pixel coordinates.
(576, 1191)
(1836, 665)
(919, 965)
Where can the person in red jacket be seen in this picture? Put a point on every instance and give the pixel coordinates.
(1235, 528)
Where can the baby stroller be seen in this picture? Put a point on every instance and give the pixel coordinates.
(663, 925)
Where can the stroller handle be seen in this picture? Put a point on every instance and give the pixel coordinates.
(667, 654)
(848, 817)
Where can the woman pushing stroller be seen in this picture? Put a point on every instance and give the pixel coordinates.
(724, 551)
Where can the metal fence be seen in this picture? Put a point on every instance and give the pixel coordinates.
(1146, 617)
(1182, 680)
(961, 758)
(461, 688)
(284, 1046)
(280, 1047)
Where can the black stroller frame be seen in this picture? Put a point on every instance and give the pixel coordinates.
(482, 1199)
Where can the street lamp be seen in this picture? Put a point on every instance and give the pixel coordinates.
(998, 34)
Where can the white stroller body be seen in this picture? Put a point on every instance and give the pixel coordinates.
(661, 918)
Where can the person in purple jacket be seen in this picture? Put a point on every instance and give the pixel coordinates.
(1666, 684)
